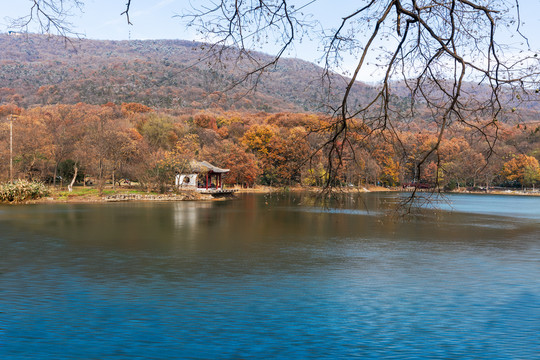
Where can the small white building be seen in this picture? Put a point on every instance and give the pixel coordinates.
(186, 180)
(205, 178)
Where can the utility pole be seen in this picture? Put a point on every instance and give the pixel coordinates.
(11, 116)
(11, 148)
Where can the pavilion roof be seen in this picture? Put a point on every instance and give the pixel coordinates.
(204, 166)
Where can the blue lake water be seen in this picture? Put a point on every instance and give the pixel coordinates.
(272, 277)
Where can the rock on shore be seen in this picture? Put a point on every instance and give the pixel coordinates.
(163, 197)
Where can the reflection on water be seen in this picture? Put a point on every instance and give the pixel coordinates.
(186, 213)
(516, 206)
(271, 276)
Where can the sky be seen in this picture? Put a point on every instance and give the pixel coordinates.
(101, 19)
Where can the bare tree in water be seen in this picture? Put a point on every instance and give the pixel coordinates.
(435, 54)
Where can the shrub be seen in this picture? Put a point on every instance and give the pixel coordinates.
(451, 186)
(22, 190)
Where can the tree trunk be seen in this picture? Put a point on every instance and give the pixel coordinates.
(55, 174)
(100, 177)
(70, 186)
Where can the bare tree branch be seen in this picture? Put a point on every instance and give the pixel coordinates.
(50, 16)
(126, 12)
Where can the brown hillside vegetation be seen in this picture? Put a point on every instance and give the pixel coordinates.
(40, 70)
(177, 74)
(131, 141)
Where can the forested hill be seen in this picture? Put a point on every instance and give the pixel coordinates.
(38, 70)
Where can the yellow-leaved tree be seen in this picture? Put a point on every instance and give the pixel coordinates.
(522, 168)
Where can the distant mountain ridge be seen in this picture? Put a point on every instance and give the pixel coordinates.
(39, 70)
(177, 74)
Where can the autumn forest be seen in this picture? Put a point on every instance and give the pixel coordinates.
(117, 112)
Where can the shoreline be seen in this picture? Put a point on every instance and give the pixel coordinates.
(87, 195)
(118, 195)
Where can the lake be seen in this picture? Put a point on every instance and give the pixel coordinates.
(273, 276)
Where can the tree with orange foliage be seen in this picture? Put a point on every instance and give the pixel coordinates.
(98, 141)
(522, 168)
(415, 146)
(258, 137)
(30, 145)
(285, 155)
(125, 148)
(9, 109)
(135, 108)
(242, 165)
(165, 164)
(389, 166)
(64, 129)
(205, 121)
(159, 131)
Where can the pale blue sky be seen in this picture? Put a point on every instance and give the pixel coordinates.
(101, 19)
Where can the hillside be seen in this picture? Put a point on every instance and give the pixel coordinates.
(39, 70)
(178, 74)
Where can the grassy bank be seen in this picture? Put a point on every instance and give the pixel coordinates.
(89, 194)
